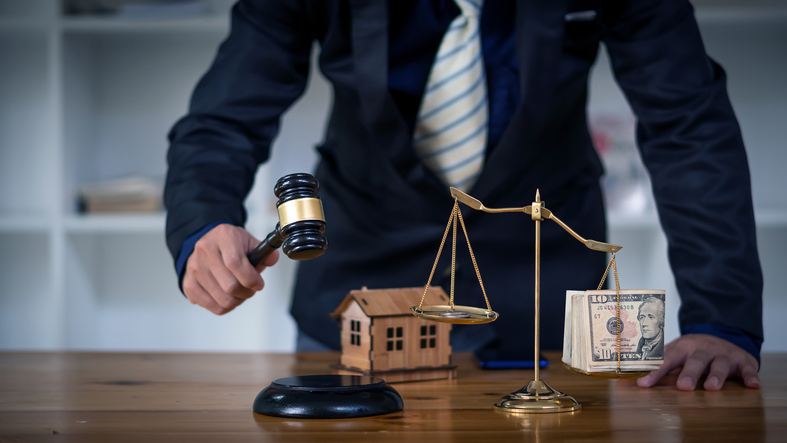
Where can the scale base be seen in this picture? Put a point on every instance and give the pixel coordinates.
(536, 398)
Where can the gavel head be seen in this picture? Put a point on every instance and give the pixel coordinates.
(301, 218)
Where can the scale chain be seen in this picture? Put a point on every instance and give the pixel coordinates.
(456, 213)
(439, 251)
(453, 251)
(617, 311)
(613, 264)
(475, 264)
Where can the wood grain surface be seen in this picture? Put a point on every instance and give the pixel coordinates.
(148, 397)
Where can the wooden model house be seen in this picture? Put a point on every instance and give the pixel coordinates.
(381, 337)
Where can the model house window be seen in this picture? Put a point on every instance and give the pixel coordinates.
(428, 339)
(355, 332)
(394, 336)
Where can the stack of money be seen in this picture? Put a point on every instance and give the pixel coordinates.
(597, 330)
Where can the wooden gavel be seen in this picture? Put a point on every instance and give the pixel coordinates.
(299, 231)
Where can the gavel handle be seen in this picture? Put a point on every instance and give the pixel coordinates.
(266, 247)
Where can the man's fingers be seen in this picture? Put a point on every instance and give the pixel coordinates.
(202, 288)
(197, 295)
(749, 376)
(653, 378)
(226, 259)
(211, 268)
(719, 371)
(224, 299)
(236, 274)
(693, 369)
(269, 261)
(671, 361)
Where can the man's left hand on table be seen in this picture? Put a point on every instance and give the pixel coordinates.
(699, 354)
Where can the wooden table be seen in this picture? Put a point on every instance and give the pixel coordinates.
(146, 397)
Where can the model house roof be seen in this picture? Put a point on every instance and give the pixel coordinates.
(391, 302)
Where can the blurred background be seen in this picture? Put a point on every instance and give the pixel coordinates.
(90, 88)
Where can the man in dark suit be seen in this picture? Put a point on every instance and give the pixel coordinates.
(387, 210)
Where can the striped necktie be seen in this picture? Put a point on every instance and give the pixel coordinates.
(451, 127)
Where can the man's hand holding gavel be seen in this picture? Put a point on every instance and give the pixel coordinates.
(218, 276)
(224, 269)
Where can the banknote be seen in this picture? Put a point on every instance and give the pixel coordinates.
(602, 332)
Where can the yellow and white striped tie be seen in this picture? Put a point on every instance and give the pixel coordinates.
(451, 128)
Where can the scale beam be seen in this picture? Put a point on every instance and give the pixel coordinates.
(476, 204)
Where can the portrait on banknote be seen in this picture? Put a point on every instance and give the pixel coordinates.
(651, 325)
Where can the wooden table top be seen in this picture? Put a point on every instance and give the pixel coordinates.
(208, 397)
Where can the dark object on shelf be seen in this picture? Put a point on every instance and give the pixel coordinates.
(134, 193)
(138, 8)
(328, 396)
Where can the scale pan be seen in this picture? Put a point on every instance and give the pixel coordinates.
(454, 314)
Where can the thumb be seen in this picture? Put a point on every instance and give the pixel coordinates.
(673, 357)
(252, 243)
(269, 260)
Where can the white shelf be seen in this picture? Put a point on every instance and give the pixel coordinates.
(135, 223)
(120, 25)
(740, 11)
(23, 24)
(771, 218)
(24, 223)
(116, 223)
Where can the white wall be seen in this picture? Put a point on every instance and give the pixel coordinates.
(89, 99)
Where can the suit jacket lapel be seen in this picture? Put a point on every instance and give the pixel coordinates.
(370, 58)
(539, 47)
(540, 32)
(388, 134)
(390, 140)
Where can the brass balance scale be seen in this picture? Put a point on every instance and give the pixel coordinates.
(537, 396)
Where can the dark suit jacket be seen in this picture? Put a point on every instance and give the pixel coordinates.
(386, 212)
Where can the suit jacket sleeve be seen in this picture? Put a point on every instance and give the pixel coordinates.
(691, 144)
(259, 71)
